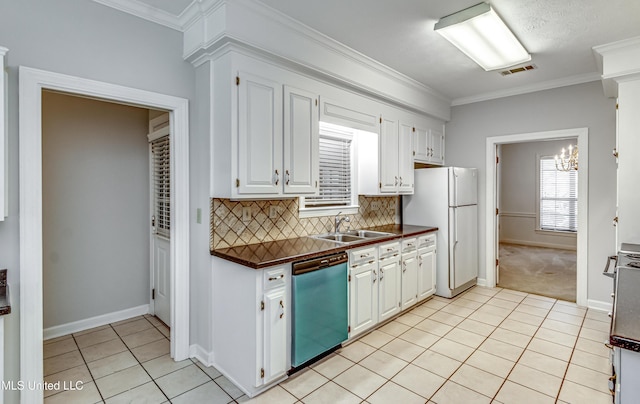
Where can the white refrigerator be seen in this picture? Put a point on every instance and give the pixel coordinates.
(447, 198)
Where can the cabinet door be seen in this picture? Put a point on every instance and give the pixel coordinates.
(409, 280)
(259, 136)
(301, 128)
(363, 298)
(426, 273)
(436, 147)
(388, 158)
(389, 278)
(405, 159)
(275, 335)
(421, 144)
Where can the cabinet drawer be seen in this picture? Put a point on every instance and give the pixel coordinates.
(362, 256)
(274, 277)
(389, 250)
(428, 241)
(409, 245)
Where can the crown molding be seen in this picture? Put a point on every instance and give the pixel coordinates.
(146, 12)
(546, 85)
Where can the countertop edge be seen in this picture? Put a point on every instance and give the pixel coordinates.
(412, 231)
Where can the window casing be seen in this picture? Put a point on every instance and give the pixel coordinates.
(558, 197)
(337, 174)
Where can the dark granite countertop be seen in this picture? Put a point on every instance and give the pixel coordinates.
(263, 255)
(625, 324)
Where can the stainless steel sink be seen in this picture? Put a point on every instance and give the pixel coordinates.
(339, 237)
(351, 236)
(368, 233)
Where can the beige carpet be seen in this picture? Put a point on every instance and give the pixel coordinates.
(544, 271)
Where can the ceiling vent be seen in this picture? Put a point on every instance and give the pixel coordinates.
(518, 70)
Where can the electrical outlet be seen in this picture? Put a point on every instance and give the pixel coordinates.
(375, 205)
(273, 212)
(246, 214)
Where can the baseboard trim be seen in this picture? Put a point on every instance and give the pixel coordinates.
(481, 282)
(97, 321)
(199, 353)
(600, 305)
(538, 244)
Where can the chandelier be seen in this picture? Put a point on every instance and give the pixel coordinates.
(569, 161)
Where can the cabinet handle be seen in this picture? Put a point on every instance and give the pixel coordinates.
(282, 306)
(288, 176)
(608, 345)
(375, 276)
(420, 260)
(372, 261)
(381, 275)
(276, 278)
(277, 177)
(396, 177)
(364, 255)
(404, 266)
(400, 181)
(612, 385)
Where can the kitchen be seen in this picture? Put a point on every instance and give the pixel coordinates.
(150, 47)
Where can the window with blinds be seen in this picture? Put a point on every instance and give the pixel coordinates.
(558, 197)
(161, 185)
(335, 186)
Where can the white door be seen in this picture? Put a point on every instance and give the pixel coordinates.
(275, 335)
(301, 146)
(259, 136)
(463, 186)
(363, 298)
(409, 280)
(389, 178)
(463, 245)
(389, 286)
(497, 234)
(160, 224)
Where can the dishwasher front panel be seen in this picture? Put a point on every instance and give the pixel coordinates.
(320, 312)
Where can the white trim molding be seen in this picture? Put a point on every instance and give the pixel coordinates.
(31, 84)
(583, 203)
(97, 321)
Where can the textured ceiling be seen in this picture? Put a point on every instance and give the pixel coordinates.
(559, 34)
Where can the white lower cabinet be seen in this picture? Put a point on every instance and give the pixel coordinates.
(385, 279)
(363, 289)
(409, 273)
(252, 330)
(390, 278)
(426, 266)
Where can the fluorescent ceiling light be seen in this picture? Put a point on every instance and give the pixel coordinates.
(480, 34)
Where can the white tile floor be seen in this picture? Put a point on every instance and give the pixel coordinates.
(487, 345)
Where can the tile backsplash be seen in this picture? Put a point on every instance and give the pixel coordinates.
(228, 229)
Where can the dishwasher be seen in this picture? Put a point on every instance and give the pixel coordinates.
(320, 307)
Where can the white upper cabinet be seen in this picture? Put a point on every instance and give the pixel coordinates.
(385, 164)
(428, 144)
(301, 131)
(259, 136)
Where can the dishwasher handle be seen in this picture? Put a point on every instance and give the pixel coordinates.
(606, 268)
(316, 264)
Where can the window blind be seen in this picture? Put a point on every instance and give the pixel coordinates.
(161, 185)
(558, 197)
(335, 173)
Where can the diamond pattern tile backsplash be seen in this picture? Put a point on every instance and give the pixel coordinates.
(228, 229)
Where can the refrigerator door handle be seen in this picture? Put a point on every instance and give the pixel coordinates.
(452, 270)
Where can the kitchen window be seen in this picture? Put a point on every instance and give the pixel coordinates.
(337, 188)
(558, 197)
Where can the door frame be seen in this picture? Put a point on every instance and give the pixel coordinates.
(31, 84)
(583, 203)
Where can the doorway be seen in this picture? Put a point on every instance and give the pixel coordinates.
(537, 219)
(31, 84)
(491, 201)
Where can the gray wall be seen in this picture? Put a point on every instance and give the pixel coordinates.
(519, 193)
(85, 39)
(95, 208)
(575, 106)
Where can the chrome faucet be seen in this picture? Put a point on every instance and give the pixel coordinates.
(339, 220)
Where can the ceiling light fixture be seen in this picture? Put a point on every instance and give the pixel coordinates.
(569, 161)
(480, 34)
